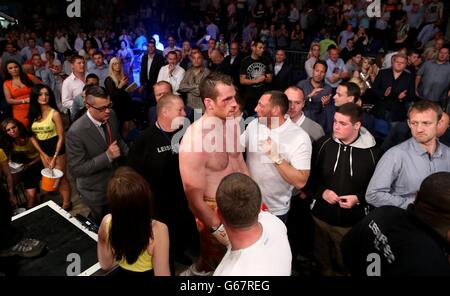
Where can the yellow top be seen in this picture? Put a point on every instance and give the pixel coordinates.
(28, 149)
(143, 262)
(2, 155)
(46, 128)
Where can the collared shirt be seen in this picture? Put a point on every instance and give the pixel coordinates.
(46, 76)
(334, 68)
(401, 170)
(174, 79)
(102, 73)
(313, 105)
(149, 63)
(169, 49)
(435, 80)
(190, 85)
(300, 120)
(278, 67)
(26, 53)
(61, 44)
(294, 146)
(98, 125)
(71, 87)
(312, 128)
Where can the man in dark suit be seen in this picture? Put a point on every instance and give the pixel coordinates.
(94, 148)
(150, 65)
(282, 76)
(234, 61)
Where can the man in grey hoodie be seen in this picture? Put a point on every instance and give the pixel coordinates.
(342, 166)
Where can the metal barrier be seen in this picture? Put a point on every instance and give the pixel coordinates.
(297, 58)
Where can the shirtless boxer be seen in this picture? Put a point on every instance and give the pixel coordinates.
(206, 158)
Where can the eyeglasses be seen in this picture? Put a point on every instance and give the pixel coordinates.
(102, 109)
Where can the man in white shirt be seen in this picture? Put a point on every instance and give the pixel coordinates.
(171, 46)
(60, 43)
(258, 240)
(172, 72)
(73, 85)
(278, 152)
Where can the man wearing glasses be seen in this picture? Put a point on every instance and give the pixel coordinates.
(94, 149)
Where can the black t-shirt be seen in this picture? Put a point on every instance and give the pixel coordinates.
(252, 69)
(153, 156)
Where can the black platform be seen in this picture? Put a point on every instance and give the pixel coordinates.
(64, 235)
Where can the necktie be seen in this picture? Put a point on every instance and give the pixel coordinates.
(106, 132)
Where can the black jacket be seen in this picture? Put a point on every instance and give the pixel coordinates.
(398, 109)
(284, 78)
(346, 170)
(234, 67)
(149, 79)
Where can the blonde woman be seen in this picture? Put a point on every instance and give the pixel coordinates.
(313, 56)
(369, 71)
(116, 84)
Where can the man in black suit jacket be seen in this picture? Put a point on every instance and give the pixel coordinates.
(234, 61)
(283, 73)
(149, 74)
(94, 150)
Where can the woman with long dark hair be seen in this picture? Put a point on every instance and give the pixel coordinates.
(48, 135)
(17, 88)
(20, 149)
(129, 236)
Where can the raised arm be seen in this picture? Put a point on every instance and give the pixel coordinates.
(80, 164)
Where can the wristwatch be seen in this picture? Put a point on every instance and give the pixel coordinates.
(214, 229)
(278, 161)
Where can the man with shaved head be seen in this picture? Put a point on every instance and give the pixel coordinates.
(155, 156)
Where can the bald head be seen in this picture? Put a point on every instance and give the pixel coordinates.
(432, 203)
(167, 101)
(296, 99)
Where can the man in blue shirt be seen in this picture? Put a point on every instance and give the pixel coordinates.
(402, 168)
